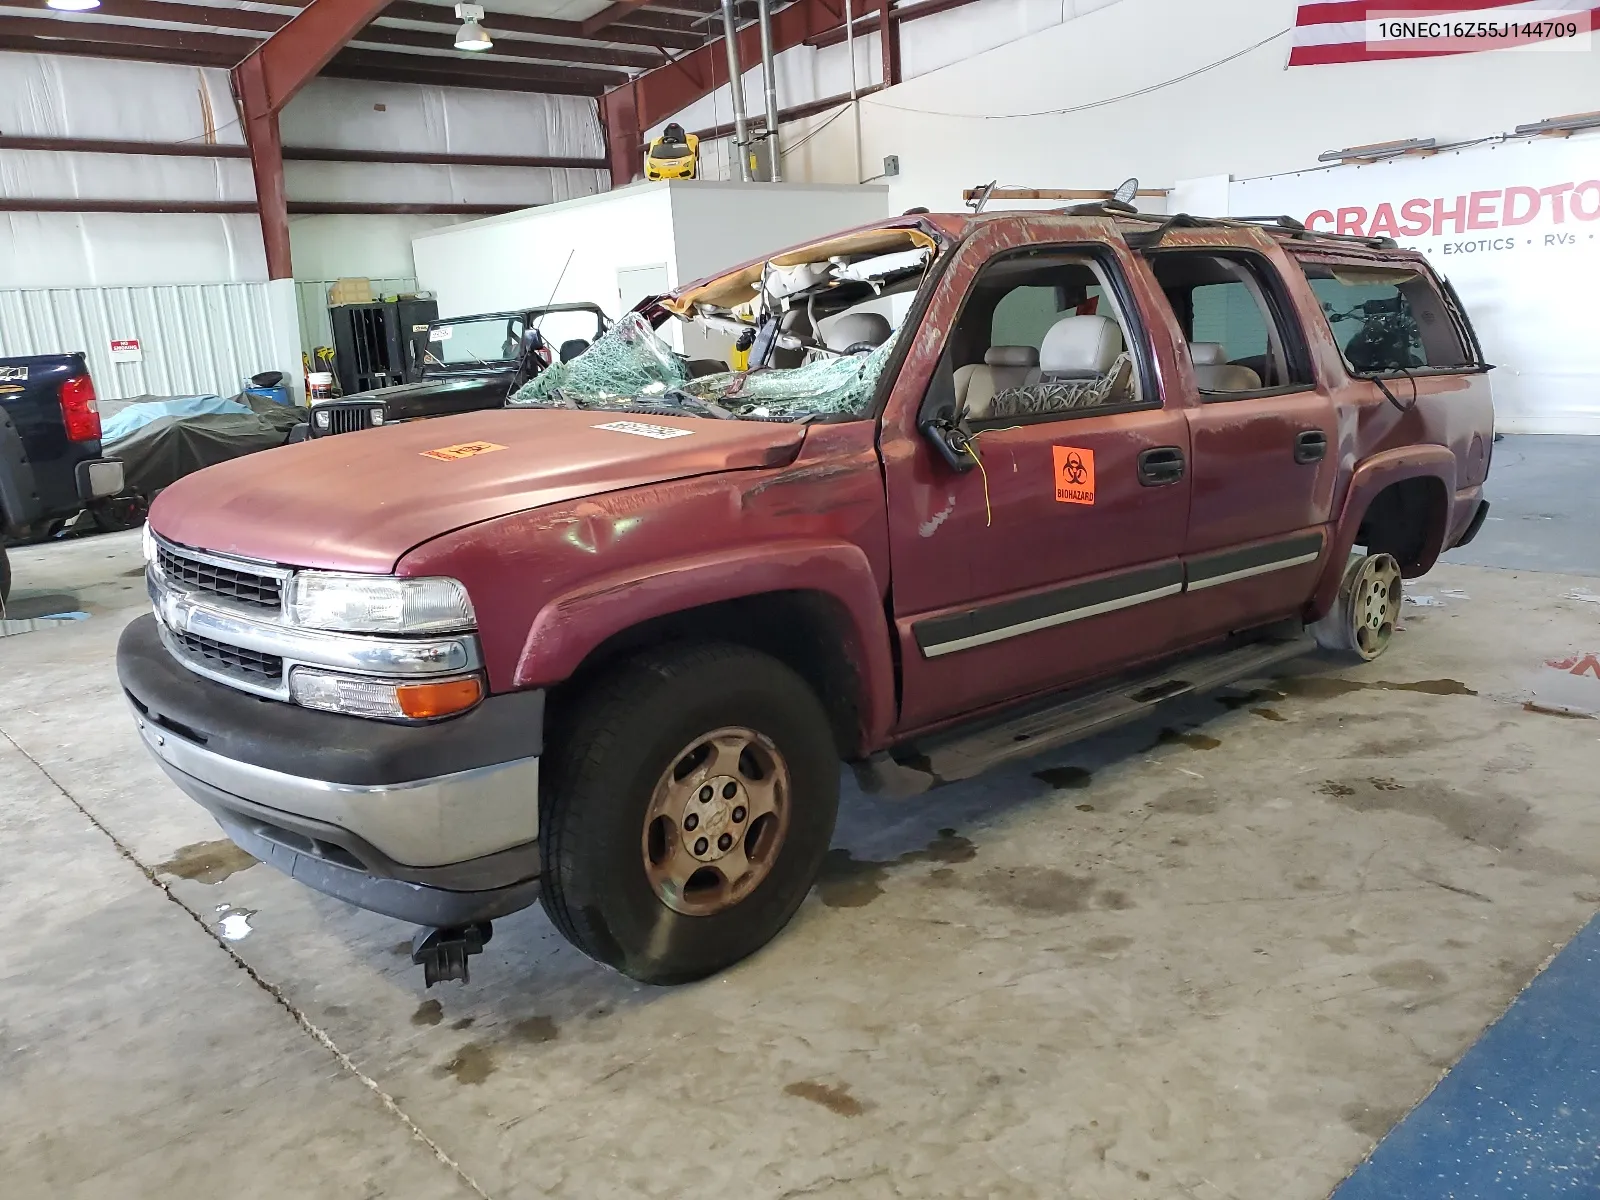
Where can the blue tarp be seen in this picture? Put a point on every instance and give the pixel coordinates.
(137, 415)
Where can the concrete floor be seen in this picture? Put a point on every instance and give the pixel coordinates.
(1213, 958)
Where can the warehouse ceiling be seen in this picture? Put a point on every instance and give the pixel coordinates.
(574, 47)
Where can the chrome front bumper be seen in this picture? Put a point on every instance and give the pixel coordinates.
(434, 823)
(442, 821)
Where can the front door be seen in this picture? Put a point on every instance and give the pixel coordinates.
(1263, 434)
(1056, 557)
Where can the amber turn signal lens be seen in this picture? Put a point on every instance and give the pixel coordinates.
(421, 700)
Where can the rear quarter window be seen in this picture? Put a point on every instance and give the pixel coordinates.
(1388, 319)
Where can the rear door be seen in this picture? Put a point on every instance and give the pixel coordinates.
(1262, 427)
(1056, 558)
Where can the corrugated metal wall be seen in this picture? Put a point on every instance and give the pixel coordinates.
(196, 339)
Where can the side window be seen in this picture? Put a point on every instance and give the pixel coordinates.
(1042, 335)
(1025, 314)
(1387, 319)
(1242, 338)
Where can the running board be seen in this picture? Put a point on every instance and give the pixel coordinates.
(915, 766)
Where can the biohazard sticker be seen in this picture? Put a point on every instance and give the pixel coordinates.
(1074, 474)
(464, 450)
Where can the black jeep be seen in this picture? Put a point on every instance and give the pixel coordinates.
(468, 363)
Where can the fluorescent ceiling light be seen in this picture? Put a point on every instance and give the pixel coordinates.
(73, 5)
(471, 35)
(1379, 150)
(1560, 125)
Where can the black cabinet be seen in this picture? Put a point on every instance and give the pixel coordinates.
(376, 345)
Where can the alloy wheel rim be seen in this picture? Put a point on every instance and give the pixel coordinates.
(1375, 604)
(716, 821)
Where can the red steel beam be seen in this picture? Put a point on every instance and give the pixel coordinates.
(294, 153)
(889, 41)
(464, 79)
(610, 15)
(80, 48)
(518, 47)
(265, 81)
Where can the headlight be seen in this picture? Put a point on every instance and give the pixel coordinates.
(359, 696)
(377, 603)
(321, 418)
(377, 416)
(147, 541)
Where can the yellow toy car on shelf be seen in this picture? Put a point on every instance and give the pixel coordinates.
(673, 155)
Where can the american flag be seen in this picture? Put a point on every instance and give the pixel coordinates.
(1341, 31)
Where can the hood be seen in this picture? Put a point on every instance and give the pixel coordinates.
(359, 501)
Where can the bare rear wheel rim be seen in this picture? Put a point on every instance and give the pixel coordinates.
(1375, 604)
(716, 822)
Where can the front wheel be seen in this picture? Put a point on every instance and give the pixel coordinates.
(1366, 610)
(5, 576)
(687, 811)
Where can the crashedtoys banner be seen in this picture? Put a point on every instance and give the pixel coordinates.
(1515, 226)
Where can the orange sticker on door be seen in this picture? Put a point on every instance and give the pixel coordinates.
(1074, 474)
(464, 450)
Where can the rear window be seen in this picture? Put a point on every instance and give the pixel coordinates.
(1388, 319)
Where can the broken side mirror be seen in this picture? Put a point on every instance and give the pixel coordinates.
(943, 421)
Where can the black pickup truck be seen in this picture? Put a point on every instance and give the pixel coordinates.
(50, 462)
(468, 363)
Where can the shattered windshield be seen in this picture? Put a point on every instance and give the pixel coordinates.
(804, 336)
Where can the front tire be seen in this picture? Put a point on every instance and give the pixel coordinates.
(5, 576)
(1367, 609)
(687, 811)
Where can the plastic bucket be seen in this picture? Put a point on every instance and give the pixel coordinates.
(319, 385)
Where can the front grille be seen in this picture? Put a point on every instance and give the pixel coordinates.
(349, 420)
(233, 583)
(230, 660)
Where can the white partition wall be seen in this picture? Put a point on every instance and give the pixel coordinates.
(674, 232)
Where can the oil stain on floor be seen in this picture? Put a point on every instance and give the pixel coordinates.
(472, 1064)
(429, 1012)
(206, 862)
(1065, 777)
(849, 882)
(1325, 687)
(1189, 738)
(834, 1099)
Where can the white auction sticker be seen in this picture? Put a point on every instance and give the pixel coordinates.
(441, 333)
(10, 374)
(640, 429)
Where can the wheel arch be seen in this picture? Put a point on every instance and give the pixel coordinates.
(1398, 502)
(816, 608)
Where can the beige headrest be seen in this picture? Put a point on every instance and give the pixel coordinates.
(1011, 356)
(1080, 346)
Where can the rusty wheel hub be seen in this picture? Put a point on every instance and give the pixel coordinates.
(716, 821)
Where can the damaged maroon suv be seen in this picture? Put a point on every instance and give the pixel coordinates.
(980, 486)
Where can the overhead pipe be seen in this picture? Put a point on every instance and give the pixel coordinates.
(769, 77)
(855, 100)
(741, 130)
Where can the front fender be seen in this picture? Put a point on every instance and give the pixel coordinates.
(572, 625)
(1370, 477)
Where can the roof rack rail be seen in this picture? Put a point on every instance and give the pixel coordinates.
(1287, 224)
